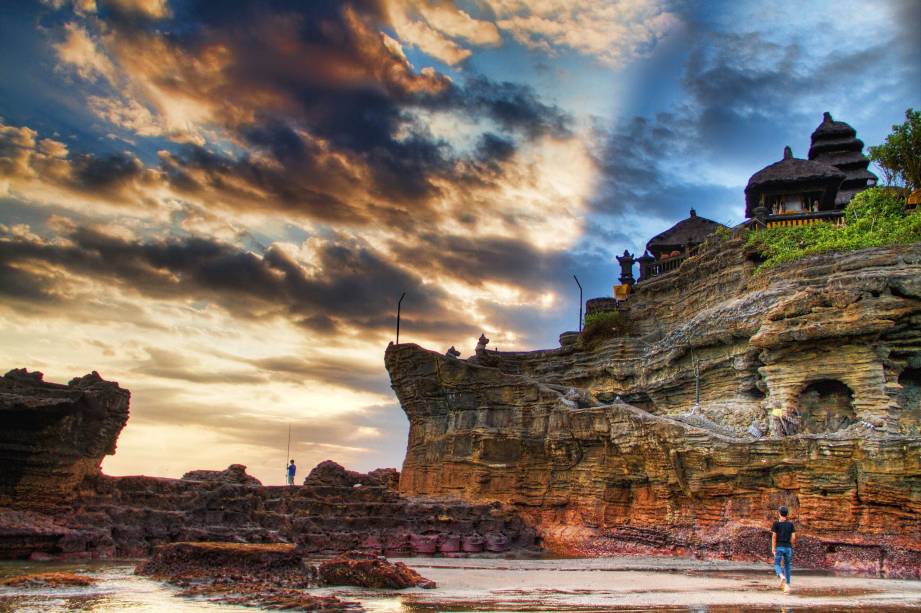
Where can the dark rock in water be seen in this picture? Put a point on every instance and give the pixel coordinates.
(53, 435)
(369, 570)
(268, 576)
(277, 562)
(235, 473)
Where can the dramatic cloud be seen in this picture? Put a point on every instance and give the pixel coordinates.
(79, 50)
(434, 27)
(347, 289)
(614, 31)
(218, 204)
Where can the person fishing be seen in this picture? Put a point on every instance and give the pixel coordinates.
(292, 470)
(783, 537)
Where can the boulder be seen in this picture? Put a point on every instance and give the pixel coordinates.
(369, 570)
(235, 473)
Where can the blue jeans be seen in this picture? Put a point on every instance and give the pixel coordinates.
(785, 554)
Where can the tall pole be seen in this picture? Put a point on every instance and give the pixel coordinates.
(288, 454)
(399, 305)
(580, 301)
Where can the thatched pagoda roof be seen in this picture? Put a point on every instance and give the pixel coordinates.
(831, 129)
(790, 174)
(836, 143)
(794, 170)
(687, 232)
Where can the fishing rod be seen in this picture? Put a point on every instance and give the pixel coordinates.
(288, 454)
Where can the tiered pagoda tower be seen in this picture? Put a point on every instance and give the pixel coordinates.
(835, 143)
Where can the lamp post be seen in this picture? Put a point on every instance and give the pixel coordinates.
(580, 301)
(399, 305)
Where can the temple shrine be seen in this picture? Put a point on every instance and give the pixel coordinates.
(790, 192)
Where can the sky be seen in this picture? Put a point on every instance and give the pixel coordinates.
(218, 204)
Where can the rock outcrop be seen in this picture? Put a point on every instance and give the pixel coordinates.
(54, 502)
(265, 576)
(54, 436)
(110, 517)
(368, 570)
(727, 394)
(235, 473)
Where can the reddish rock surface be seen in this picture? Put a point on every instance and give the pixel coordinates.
(807, 378)
(48, 580)
(369, 570)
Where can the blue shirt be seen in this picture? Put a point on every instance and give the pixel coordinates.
(292, 469)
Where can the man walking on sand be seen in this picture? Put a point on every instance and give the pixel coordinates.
(783, 537)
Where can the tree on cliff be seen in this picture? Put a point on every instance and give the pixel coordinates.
(899, 157)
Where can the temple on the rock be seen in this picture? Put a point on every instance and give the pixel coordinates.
(790, 192)
(795, 191)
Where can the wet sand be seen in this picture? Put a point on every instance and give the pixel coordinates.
(622, 584)
(639, 584)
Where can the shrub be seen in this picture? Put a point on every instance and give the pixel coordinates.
(874, 218)
(605, 324)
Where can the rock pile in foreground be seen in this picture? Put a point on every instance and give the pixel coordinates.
(272, 576)
(267, 576)
(369, 570)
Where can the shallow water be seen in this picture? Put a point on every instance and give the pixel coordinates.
(609, 584)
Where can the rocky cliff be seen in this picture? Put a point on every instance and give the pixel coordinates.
(53, 436)
(56, 504)
(725, 394)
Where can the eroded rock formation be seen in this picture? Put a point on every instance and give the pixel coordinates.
(129, 516)
(652, 441)
(53, 436)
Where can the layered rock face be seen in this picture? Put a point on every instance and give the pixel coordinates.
(732, 394)
(129, 516)
(53, 436)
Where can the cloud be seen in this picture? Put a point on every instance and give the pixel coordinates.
(45, 170)
(80, 51)
(613, 31)
(437, 29)
(348, 290)
(151, 9)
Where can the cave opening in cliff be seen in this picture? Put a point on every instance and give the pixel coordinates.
(910, 418)
(826, 405)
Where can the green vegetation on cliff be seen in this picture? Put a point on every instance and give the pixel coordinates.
(874, 218)
(604, 325)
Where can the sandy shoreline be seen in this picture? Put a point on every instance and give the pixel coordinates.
(618, 583)
(475, 584)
